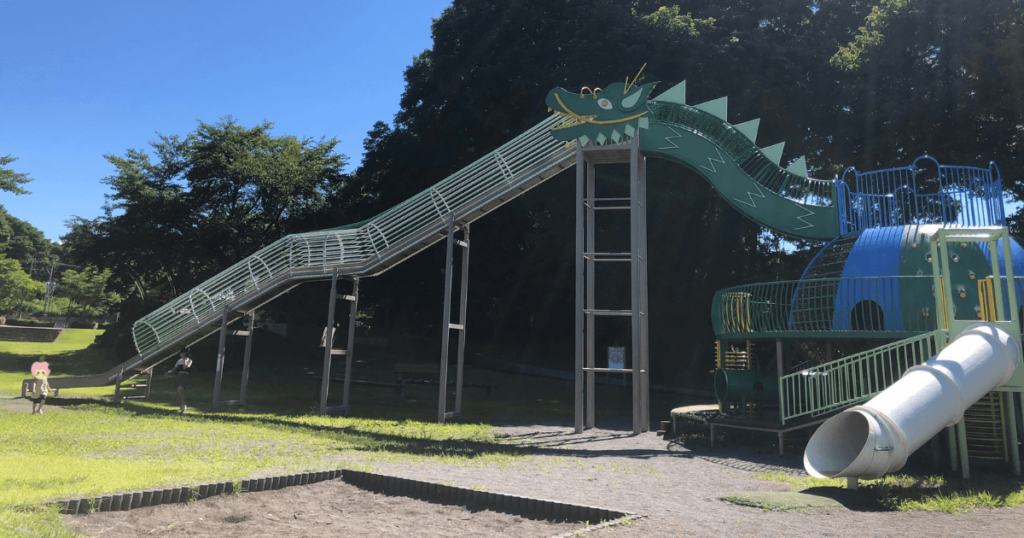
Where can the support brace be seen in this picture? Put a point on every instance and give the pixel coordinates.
(222, 350)
(328, 345)
(446, 322)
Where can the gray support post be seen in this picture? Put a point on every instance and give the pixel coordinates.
(590, 278)
(220, 357)
(634, 265)
(446, 322)
(463, 299)
(961, 437)
(149, 382)
(951, 434)
(1011, 428)
(644, 314)
(350, 348)
(117, 385)
(328, 344)
(580, 215)
(245, 363)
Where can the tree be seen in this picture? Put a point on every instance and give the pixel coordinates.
(196, 205)
(16, 287)
(10, 180)
(87, 290)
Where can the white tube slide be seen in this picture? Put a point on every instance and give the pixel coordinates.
(870, 440)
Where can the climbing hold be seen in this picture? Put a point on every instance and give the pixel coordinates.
(962, 291)
(956, 259)
(928, 257)
(925, 312)
(971, 274)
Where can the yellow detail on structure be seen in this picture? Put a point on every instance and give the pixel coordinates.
(630, 84)
(736, 312)
(987, 300)
(581, 119)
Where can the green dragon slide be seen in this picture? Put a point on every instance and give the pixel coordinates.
(699, 137)
(696, 136)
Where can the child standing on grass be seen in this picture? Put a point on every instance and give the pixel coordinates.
(181, 382)
(40, 388)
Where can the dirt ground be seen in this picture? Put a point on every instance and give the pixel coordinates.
(676, 486)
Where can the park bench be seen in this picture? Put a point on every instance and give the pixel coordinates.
(429, 374)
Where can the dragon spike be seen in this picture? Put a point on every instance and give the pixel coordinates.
(799, 167)
(749, 129)
(774, 153)
(718, 107)
(676, 94)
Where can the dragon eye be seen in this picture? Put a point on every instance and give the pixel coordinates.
(605, 104)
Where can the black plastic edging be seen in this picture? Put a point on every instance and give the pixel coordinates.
(390, 485)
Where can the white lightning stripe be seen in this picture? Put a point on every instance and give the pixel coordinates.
(670, 138)
(751, 195)
(712, 162)
(801, 219)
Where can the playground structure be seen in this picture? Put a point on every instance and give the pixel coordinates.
(910, 259)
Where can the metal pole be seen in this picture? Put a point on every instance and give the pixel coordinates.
(961, 435)
(446, 322)
(634, 265)
(350, 348)
(220, 357)
(590, 278)
(328, 344)
(580, 215)
(463, 299)
(245, 363)
(645, 349)
(1011, 428)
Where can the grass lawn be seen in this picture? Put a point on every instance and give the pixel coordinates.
(87, 446)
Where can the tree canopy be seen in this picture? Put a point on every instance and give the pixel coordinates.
(869, 84)
(195, 205)
(10, 180)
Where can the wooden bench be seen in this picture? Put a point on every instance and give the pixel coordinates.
(429, 374)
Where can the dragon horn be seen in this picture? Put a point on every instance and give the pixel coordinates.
(630, 84)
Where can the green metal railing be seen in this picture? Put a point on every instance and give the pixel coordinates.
(363, 249)
(856, 307)
(854, 379)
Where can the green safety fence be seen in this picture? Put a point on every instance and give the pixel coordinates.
(857, 307)
(850, 380)
(362, 249)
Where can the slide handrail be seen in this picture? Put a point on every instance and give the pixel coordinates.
(360, 249)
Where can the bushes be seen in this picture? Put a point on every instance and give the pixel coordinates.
(31, 323)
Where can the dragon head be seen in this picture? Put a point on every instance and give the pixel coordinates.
(611, 113)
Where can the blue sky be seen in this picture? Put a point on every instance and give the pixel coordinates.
(82, 79)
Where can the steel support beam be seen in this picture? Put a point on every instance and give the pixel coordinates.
(245, 362)
(580, 272)
(634, 277)
(350, 347)
(590, 301)
(328, 345)
(446, 321)
(463, 299)
(222, 343)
